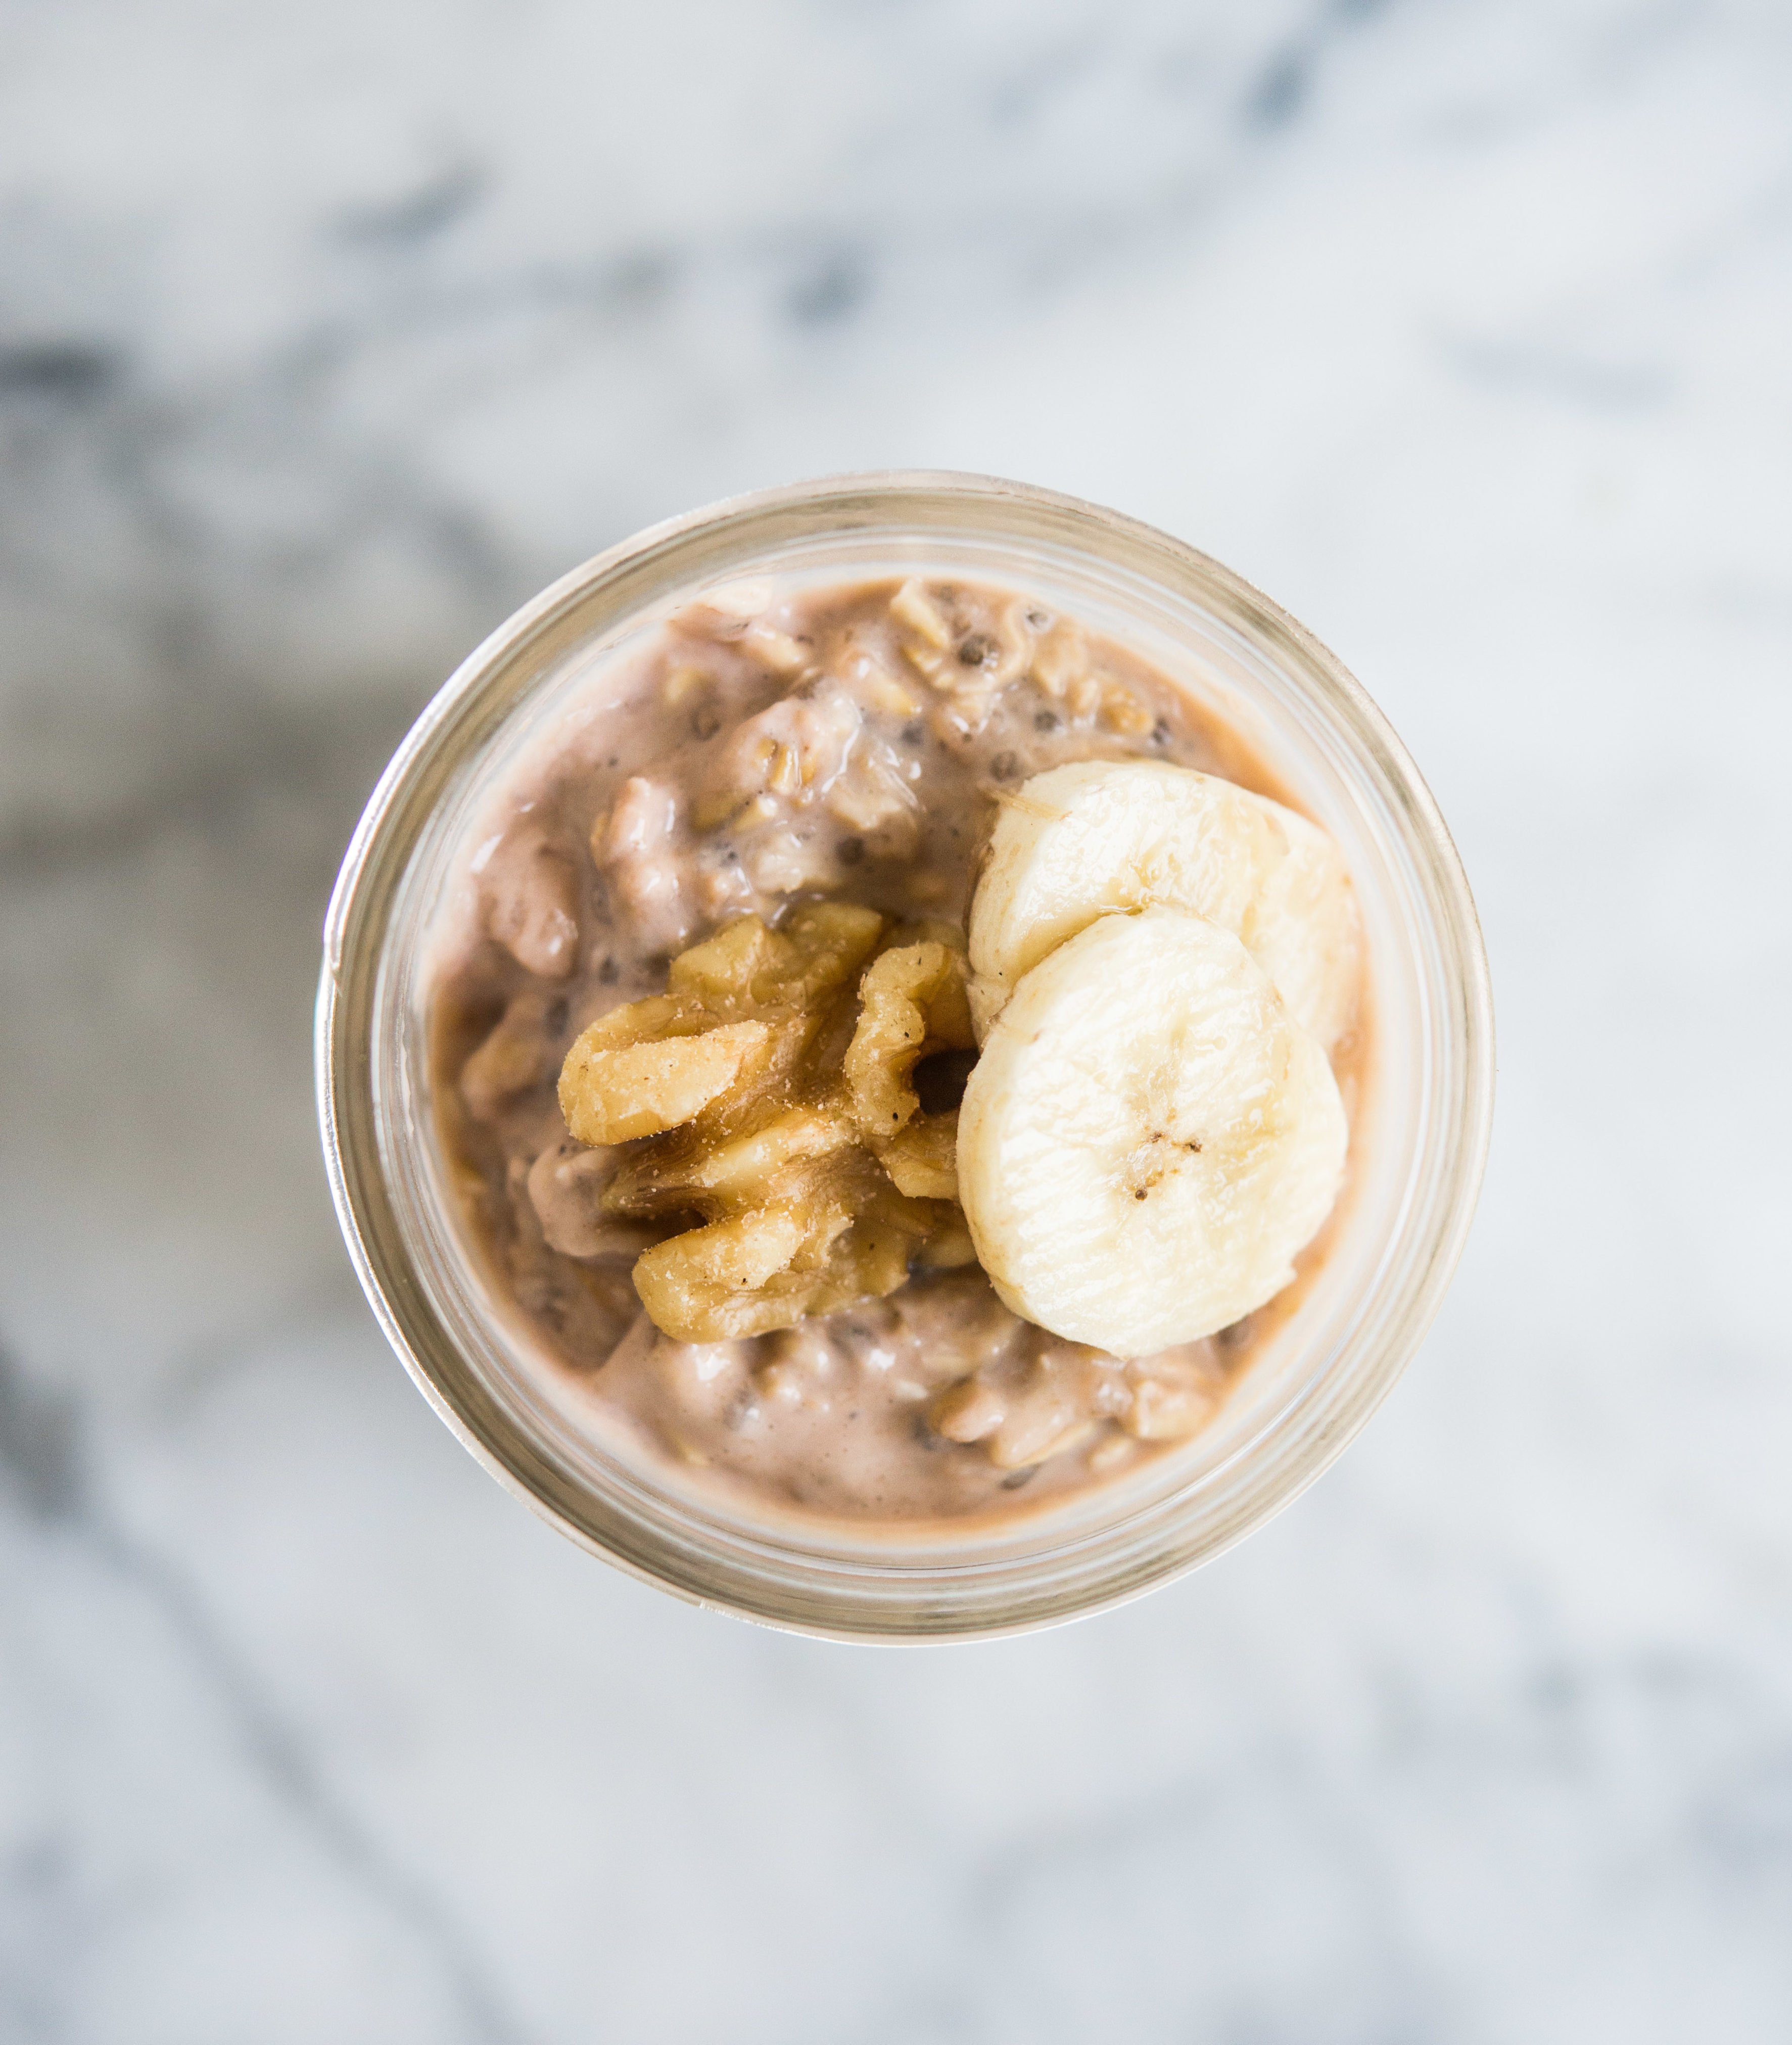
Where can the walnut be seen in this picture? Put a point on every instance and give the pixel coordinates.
(817, 952)
(913, 1002)
(767, 1268)
(730, 1094)
(949, 1247)
(649, 1067)
(922, 1158)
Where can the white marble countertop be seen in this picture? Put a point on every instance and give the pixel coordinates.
(326, 335)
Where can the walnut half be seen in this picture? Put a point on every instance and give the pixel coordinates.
(764, 1098)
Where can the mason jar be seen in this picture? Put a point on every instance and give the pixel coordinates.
(1419, 1137)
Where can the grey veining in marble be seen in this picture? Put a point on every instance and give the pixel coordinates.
(327, 334)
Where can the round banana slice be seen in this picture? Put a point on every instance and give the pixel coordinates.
(1075, 842)
(1148, 1137)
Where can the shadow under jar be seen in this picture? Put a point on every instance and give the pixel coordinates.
(1315, 1369)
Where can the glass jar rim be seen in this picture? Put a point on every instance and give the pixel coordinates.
(716, 542)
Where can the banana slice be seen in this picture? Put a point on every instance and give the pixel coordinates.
(1149, 1137)
(1076, 842)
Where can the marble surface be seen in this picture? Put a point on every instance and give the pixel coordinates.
(327, 334)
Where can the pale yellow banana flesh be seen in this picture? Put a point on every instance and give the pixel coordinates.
(1149, 1138)
(1080, 841)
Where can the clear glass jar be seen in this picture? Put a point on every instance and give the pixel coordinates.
(1423, 1119)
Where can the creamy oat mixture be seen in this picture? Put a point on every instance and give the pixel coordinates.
(772, 819)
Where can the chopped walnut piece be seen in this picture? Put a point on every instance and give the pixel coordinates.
(914, 1002)
(649, 1067)
(949, 1247)
(819, 948)
(750, 1165)
(720, 1282)
(922, 1158)
(769, 1268)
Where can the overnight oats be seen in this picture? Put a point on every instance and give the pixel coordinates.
(905, 1056)
(896, 1049)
